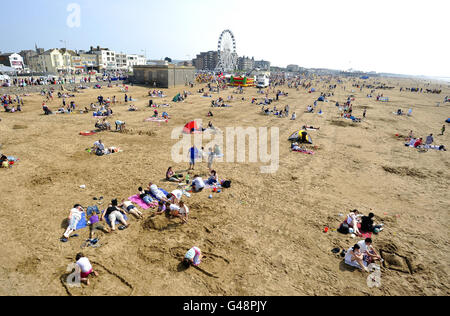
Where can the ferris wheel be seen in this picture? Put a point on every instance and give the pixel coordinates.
(227, 52)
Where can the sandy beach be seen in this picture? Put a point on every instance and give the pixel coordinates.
(263, 236)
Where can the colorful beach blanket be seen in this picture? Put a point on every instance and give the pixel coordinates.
(136, 199)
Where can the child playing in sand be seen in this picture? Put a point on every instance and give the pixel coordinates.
(94, 223)
(86, 268)
(193, 257)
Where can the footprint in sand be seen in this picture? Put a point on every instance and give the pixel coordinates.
(151, 254)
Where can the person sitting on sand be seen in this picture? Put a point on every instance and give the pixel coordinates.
(172, 177)
(294, 117)
(309, 109)
(94, 224)
(355, 258)
(99, 148)
(4, 163)
(106, 125)
(213, 178)
(74, 218)
(418, 142)
(430, 140)
(193, 257)
(132, 108)
(86, 268)
(198, 184)
(46, 109)
(114, 213)
(352, 220)
(370, 255)
(131, 209)
(367, 224)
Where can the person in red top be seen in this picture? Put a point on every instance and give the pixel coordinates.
(418, 142)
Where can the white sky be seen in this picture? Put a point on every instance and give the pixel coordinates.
(397, 36)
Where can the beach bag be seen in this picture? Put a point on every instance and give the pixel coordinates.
(226, 184)
(344, 229)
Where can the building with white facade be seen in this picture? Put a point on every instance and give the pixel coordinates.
(12, 60)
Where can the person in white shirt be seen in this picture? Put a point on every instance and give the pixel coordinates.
(181, 211)
(355, 258)
(368, 251)
(86, 268)
(353, 219)
(75, 216)
(157, 192)
(176, 196)
(198, 184)
(99, 148)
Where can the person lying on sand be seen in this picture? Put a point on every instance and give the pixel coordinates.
(86, 268)
(114, 213)
(145, 195)
(157, 192)
(355, 258)
(74, 218)
(305, 127)
(128, 207)
(193, 257)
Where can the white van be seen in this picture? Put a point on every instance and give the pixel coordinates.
(262, 81)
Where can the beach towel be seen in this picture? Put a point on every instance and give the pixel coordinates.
(136, 199)
(88, 133)
(366, 235)
(308, 152)
(82, 223)
(156, 120)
